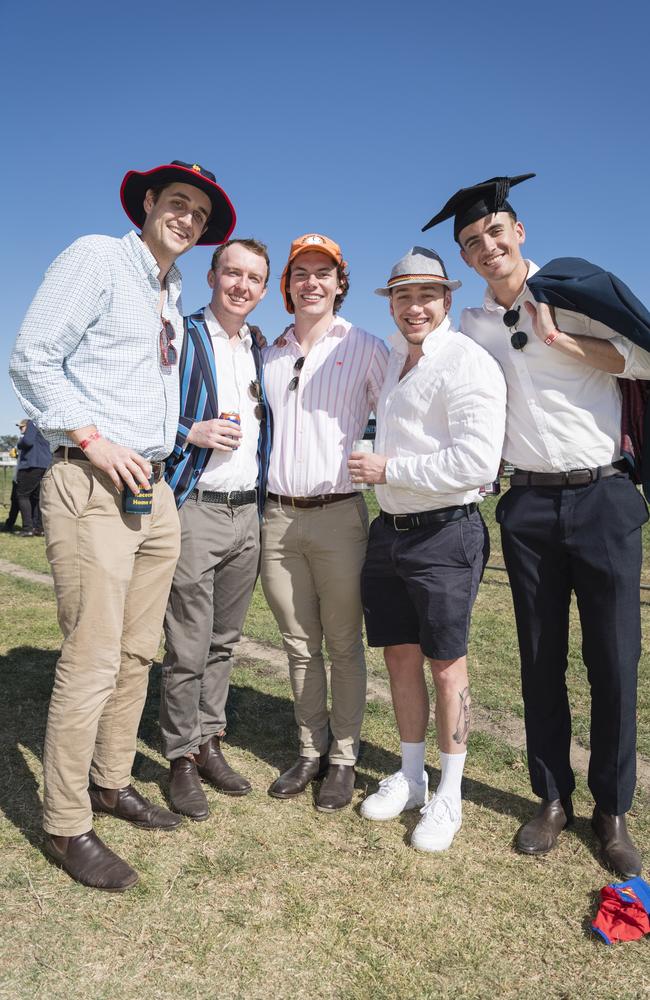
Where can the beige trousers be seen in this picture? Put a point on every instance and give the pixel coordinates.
(112, 573)
(310, 570)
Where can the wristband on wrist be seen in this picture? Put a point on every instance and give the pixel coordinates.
(551, 337)
(86, 441)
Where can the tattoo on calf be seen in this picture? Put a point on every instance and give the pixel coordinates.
(464, 717)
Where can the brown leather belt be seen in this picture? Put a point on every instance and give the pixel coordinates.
(575, 477)
(77, 455)
(307, 502)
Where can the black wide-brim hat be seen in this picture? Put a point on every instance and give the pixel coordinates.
(135, 186)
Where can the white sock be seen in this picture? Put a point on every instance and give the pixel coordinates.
(413, 761)
(451, 773)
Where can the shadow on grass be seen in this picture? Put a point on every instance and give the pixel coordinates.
(259, 722)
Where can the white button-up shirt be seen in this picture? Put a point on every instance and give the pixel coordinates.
(235, 369)
(562, 414)
(441, 426)
(316, 424)
(88, 351)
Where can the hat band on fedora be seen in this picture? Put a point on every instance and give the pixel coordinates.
(416, 277)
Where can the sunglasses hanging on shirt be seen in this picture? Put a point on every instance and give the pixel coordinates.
(293, 384)
(168, 353)
(519, 339)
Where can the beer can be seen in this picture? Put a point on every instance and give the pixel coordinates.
(367, 447)
(232, 417)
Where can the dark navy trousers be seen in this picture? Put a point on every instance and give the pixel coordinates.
(584, 539)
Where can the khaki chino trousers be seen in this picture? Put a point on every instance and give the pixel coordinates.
(310, 570)
(112, 573)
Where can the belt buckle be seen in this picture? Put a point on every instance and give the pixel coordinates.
(576, 477)
(396, 525)
(228, 496)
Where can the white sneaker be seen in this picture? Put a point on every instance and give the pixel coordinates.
(441, 820)
(395, 794)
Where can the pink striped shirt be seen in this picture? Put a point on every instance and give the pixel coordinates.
(316, 424)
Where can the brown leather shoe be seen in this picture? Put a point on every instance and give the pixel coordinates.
(540, 834)
(336, 790)
(213, 767)
(88, 860)
(185, 792)
(297, 777)
(617, 849)
(126, 803)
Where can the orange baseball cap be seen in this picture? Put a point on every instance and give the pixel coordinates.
(310, 241)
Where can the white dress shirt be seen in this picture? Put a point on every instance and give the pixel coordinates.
(316, 424)
(562, 414)
(236, 470)
(441, 426)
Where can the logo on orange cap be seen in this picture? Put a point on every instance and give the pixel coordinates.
(310, 241)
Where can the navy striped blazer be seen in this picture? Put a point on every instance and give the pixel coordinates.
(199, 401)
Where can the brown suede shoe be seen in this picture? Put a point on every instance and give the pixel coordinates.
(88, 860)
(126, 803)
(214, 768)
(185, 792)
(617, 849)
(298, 776)
(336, 790)
(540, 834)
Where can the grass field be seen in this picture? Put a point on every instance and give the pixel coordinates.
(270, 899)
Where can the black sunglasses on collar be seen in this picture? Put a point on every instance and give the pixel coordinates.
(519, 339)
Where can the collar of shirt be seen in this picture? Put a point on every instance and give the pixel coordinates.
(338, 328)
(145, 261)
(216, 329)
(491, 304)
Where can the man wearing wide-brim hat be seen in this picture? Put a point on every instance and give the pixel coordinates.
(440, 424)
(95, 366)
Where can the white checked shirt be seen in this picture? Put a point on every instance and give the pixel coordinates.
(236, 470)
(316, 424)
(88, 351)
(562, 414)
(441, 426)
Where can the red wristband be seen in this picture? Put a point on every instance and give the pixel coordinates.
(86, 441)
(551, 337)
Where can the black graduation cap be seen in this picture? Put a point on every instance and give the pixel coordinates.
(473, 203)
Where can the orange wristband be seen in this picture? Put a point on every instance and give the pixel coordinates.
(551, 337)
(86, 441)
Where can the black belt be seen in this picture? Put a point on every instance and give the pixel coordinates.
(575, 477)
(304, 503)
(235, 498)
(406, 522)
(77, 455)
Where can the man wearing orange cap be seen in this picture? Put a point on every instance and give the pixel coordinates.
(322, 378)
(95, 367)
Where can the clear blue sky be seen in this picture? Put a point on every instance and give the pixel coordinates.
(357, 120)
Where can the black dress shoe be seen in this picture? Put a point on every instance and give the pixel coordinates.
(337, 788)
(214, 768)
(617, 849)
(540, 834)
(295, 780)
(88, 860)
(126, 803)
(185, 792)
(25, 534)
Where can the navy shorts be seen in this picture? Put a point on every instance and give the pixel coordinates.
(419, 586)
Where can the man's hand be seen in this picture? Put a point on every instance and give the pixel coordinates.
(221, 435)
(543, 320)
(366, 467)
(122, 465)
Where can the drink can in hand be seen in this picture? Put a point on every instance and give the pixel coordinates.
(367, 447)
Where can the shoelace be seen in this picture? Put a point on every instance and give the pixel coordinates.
(436, 809)
(388, 784)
